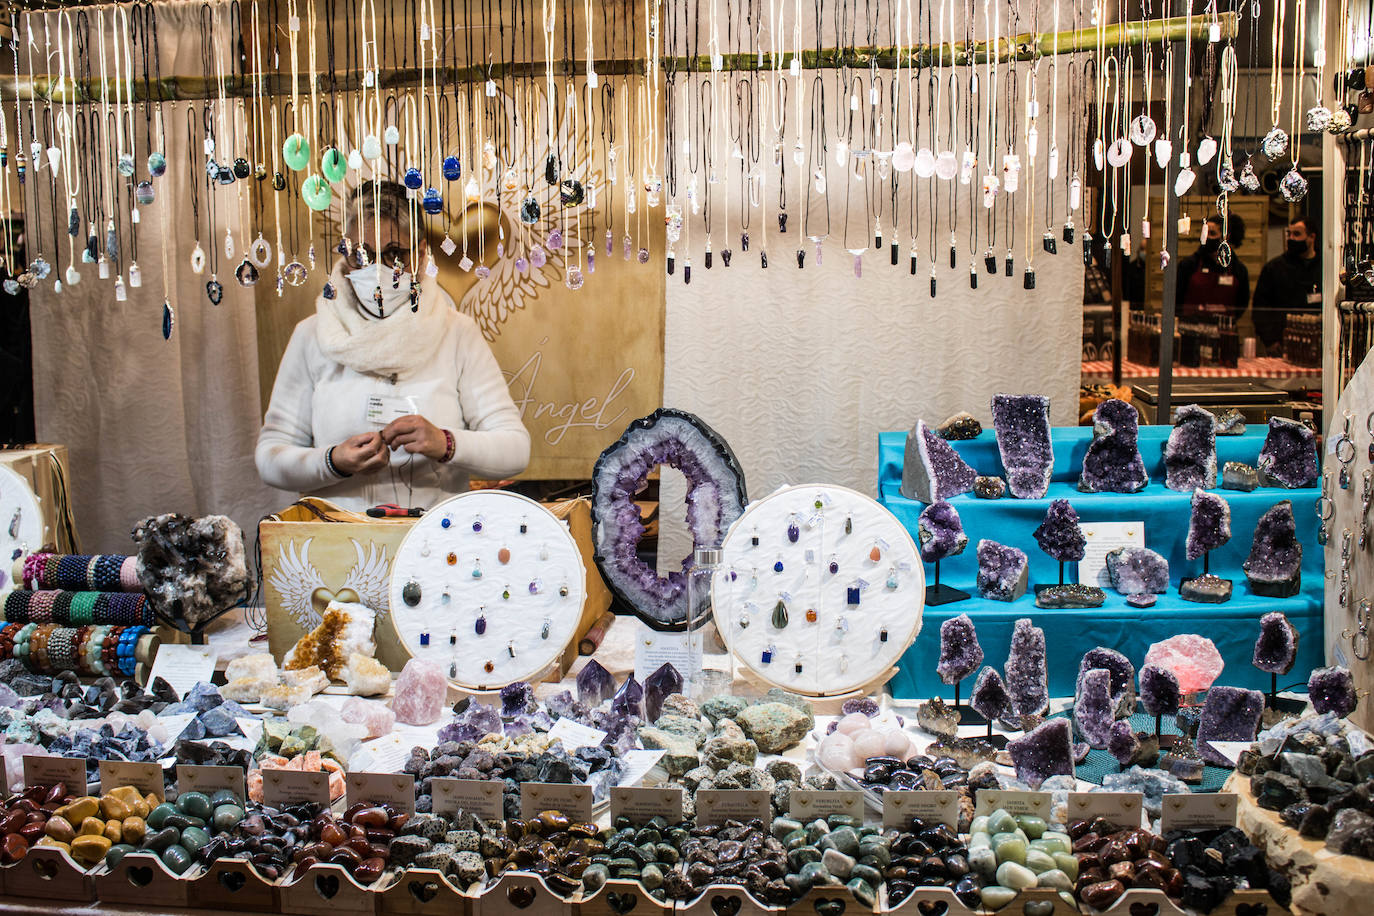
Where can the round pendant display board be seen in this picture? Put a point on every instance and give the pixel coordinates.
(489, 586)
(820, 589)
(21, 522)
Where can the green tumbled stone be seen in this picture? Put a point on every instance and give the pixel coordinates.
(194, 839)
(651, 877)
(797, 838)
(802, 855)
(867, 873)
(838, 864)
(226, 818)
(1054, 878)
(176, 858)
(159, 841)
(815, 830)
(1061, 841)
(1032, 825)
(117, 852)
(862, 891)
(1017, 877)
(594, 877)
(196, 804)
(878, 852)
(1009, 848)
(979, 825)
(982, 861)
(157, 818)
(980, 838)
(844, 839)
(840, 820)
(813, 873)
(1000, 821)
(783, 826)
(225, 797)
(1067, 862)
(994, 897)
(1037, 860)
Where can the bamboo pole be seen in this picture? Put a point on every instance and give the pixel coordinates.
(1022, 47)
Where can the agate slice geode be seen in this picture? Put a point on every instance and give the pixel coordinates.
(715, 498)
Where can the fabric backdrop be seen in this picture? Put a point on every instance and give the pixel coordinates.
(152, 425)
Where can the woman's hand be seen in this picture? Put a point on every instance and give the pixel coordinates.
(361, 454)
(417, 435)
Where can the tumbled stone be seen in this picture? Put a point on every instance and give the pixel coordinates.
(1289, 455)
(1059, 534)
(1112, 463)
(940, 532)
(1276, 649)
(1190, 455)
(1274, 566)
(1228, 714)
(1001, 571)
(1045, 751)
(989, 487)
(1236, 475)
(1332, 690)
(1209, 524)
(1070, 596)
(1027, 674)
(1022, 425)
(931, 468)
(960, 653)
(1134, 570)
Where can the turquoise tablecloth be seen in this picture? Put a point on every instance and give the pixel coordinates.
(1069, 633)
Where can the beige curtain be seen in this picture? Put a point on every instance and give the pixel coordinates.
(152, 425)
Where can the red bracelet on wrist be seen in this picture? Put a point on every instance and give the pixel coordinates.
(449, 447)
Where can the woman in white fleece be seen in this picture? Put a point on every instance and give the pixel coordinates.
(384, 395)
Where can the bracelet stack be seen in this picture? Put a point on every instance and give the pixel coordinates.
(94, 651)
(78, 608)
(79, 573)
(449, 447)
(330, 466)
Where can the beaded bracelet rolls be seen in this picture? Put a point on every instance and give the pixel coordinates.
(78, 609)
(80, 573)
(91, 650)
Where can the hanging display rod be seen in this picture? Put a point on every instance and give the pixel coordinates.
(1027, 46)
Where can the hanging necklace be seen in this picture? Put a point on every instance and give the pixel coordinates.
(817, 163)
(1293, 186)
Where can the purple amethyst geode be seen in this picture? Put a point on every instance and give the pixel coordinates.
(1094, 708)
(1044, 751)
(1122, 675)
(1274, 566)
(990, 698)
(715, 499)
(1138, 570)
(931, 468)
(1112, 463)
(1332, 690)
(1289, 455)
(1159, 691)
(1228, 714)
(1059, 534)
(1190, 455)
(940, 532)
(1022, 425)
(1209, 525)
(960, 653)
(1027, 670)
(1001, 571)
(1276, 649)
(1122, 743)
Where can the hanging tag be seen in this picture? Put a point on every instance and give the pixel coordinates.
(872, 95)
(294, 23)
(854, 102)
(717, 62)
(491, 89)
(370, 78)
(795, 66)
(1214, 32)
(424, 31)
(593, 81)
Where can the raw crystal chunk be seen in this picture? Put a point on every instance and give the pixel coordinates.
(372, 715)
(1159, 690)
(1112, 463)
(1231, 423)
(1122, 671)
(365, 676)
(1274, 566)
(594, 684)
(1190, 455)
(1045, 751)
(1001, 571)
(1193, 660)
(990, 698)
(1122, 742)
(191, 568)
(938, 717)
(659, 686)
(1228, 714)
(1141, 599)
(1289, 456)
(1022, 425)
(1072, 595)
(960, 654)
(989, 487)
(1209, 525)
(1027, 672)
(1094, 708)
(1205, 589)
(345, 629)
(940, 532)
(1352, 833)
(517, 699)
(628, 699)
(960, 426)
(421, 689)
(1332, 690)
(1134, 570)
(931, 468)
(1276, 649)
(1236, 475)
(1059, 534)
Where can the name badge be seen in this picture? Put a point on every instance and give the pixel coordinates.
(382, 409)
(1226, 280)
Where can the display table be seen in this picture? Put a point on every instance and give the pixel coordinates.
(1233, 626)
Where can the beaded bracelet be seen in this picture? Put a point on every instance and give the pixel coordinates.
(450, 446)
(330, 466)
(62, 608)
(128, 575)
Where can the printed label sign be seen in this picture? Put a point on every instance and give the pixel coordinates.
(47, 771)
(1120, 808)
(395, 789)
(716, 806)
(1034, 803)
(573, 801)
(899, 807)
(210, 779)
(809, 804)
(479, 797)
(1198, 811)
(640, 805)
(293, 787)
(145, 777)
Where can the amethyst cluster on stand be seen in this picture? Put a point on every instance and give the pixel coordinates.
(1209, 527)
(1112, 463)
(1027, 671)
(1060, 536)
(1022, 425)
(1276, 651)
(941, 534)
(960, 653)
(931, 468)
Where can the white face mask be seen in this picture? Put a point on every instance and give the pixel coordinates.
(365, 282)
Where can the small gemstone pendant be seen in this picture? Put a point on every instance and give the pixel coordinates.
(834, 566)
(882, 635)
(848, 525)
(544, 630)
(767, 656)
(793, 532)
(852, 596)
(777, 567)
(810, 615)
(481, 625)
(780, 615)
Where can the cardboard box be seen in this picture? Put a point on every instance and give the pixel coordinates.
(313, 551)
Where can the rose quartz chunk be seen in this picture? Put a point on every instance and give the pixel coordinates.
(421, 690)
(1193, 659)
(372, 715)
(836, 751)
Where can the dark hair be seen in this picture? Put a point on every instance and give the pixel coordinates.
(1301, 218)
(1233, 225)
(389, 202)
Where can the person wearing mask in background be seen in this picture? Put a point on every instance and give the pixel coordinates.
(1290, 283)
(387, 394)
(1206, 289)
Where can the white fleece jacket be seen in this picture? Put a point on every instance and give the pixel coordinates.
(317, 403)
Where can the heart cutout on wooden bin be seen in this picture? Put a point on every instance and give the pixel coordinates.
(1038, 907)
(1252, 909)
(1140, 908)
(828, 906)
(932, 907)
(725, 906)
(327, 886)
(520, 896)
(232, 881)
(45, 868)
(423, 891)
(139, 875)
(621, 903)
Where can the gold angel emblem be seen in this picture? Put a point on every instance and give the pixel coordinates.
(304, 594)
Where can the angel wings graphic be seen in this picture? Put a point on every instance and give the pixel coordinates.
(304, 593)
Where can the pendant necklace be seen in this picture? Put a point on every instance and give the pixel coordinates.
(925, 168)
(972, 144)
(1229, 73)
(213, 290)
(632, 149)
(1011, 164)
(66, 129)
(1293, 186)
(1028, 272)
(817, 166)
(1275, 143)
(707, 105)
(651, 191)
(849, 169)
(750, 167)
(571, 195)
(991, 181)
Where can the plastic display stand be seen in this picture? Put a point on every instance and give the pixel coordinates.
(1233, 626)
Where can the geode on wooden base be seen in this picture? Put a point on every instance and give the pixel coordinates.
(191, 568)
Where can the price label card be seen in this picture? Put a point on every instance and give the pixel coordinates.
(575, 734)
(395, 789)
(47, 771)
(638, 764)
(481, 798)
(573, 801)
(654, 649)
(1102, 538)
(1120, 808)
(183, 666)
(210, 780)
(716, 806)
(293, 787)
(1034, 803)
(251, 728)
(899, 807)
(640, 805)
(809, 804)
(1198, 811)
(145, 777)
